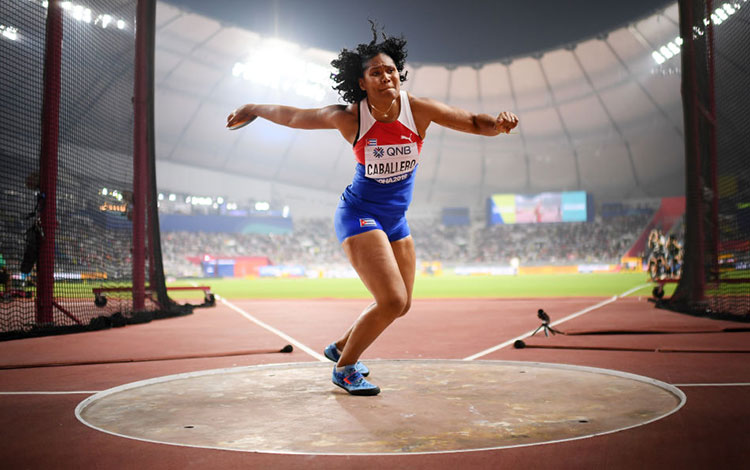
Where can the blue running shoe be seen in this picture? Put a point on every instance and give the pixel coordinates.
(332, 353)
(353, 382)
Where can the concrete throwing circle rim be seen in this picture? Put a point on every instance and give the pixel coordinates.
(679, 394)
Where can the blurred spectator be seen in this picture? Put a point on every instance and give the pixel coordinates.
(312, 243)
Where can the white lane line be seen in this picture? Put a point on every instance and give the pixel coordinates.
(555, 323)
(740, 384)
(634, 289)
(529, 333)
(273, 330)
(85, 392)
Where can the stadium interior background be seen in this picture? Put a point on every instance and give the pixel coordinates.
(597, 163)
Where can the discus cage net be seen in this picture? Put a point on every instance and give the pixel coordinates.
(715, 79)
(80, 239)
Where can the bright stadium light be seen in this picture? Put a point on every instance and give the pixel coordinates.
(9, 32)
(77, 12)
(721, 14)
(120, 24)
(729, 9)
(220, 200)
(103, 20)
(161, 196)
(238, 69)
(673, 47)
(663, 50)
(658, 58)
(262, 206)
(285, 212)
(678, 41)
(104, 191)
(66, 5)
(172, 197)
(279, 65)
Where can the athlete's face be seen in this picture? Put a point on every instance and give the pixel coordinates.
(380, 78)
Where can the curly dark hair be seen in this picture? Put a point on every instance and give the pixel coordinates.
(350, 64)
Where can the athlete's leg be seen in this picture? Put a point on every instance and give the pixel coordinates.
(406, 259)
(372, 256)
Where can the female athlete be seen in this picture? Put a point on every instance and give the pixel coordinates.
(386, 127)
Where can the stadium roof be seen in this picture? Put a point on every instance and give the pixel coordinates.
(601, 115)
(438, 31)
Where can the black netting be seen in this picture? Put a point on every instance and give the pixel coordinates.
(716, 278)
(91, 176)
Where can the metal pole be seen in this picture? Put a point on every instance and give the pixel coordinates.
(140, 156)
(48, 162)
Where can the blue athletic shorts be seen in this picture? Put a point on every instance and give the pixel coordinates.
(351, 221)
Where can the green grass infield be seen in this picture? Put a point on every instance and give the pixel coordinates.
(427, 287)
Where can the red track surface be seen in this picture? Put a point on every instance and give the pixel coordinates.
(710, 431)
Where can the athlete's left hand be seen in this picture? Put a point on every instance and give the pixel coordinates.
(505, 122)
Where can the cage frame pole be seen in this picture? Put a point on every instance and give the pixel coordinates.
(713, 154)
(140, 156)
(48, 161)
(693, 190)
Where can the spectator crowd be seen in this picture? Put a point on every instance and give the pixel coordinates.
(313, 243)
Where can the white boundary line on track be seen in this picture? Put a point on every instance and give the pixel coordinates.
(679, 394)
(273, 330)
(87, 392)
(741, 384)
(555, 323)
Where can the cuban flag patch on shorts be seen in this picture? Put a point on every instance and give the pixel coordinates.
(367, 223)
(372, 142)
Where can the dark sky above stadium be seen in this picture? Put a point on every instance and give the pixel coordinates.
(438, 31)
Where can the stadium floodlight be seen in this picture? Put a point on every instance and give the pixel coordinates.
(9, 32)
(45, 4)
(120, 24)
(66, 5)
(280, 65)
(77, 12)
(104, 20)
(285, 212)
(658, 58)
(663, 50)
(678, 41)
(104, 191)
(262, 206)
(161, 196)
(729, 9)
(716, 20)
(172, 197)
(673, 47)
(220, 200)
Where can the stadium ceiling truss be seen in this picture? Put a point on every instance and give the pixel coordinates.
(600, 115)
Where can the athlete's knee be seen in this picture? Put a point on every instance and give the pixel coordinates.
(394, 304)
(406, 308)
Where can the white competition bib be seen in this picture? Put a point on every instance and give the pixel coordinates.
(391, 163)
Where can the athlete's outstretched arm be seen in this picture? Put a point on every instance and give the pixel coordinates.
(338, 117)
(427, 110)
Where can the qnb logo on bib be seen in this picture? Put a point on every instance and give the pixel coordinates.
(390, 163)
